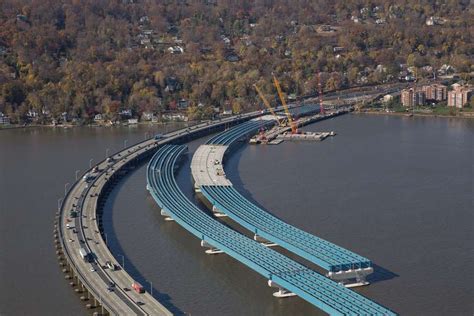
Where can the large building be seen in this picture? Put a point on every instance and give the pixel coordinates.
(460, 96)
(435, 92)
(413, 97)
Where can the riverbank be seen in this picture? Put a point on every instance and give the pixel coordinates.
(462, 115)
(17, 126)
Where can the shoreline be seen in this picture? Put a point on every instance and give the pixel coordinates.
(16, 126)
(471, 116)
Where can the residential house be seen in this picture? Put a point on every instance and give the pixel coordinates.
(125, 113)
(182, 104)
(4, 120)
(175, 49)
(172, 84)
(147, 116)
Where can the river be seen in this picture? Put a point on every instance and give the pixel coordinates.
(397, 190)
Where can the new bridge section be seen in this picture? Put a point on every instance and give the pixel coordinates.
(342, 265)
(281, 271)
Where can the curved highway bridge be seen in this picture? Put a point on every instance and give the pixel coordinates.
(320, 291)
(341, 263)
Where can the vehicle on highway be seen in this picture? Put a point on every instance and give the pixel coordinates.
(138, 287)
(85, 255)
(88, 177)
(111, 266)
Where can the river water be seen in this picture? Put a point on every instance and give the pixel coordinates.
(397, 190)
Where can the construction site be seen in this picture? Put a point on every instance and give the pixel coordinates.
(287, 126)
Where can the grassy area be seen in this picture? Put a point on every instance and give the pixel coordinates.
(444, 110)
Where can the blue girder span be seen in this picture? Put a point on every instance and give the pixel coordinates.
(319, 251)
(320, 291)
(229, 201)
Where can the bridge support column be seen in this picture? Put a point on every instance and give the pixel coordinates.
(351, 278)
(212, 250)
(263, 241)
(282, 292)
(167, 216)
(217, 212)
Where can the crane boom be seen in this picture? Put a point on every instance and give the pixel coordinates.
(267, 104)
(283, 102)
(320, 94)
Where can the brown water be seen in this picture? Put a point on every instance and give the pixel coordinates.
(397, 190)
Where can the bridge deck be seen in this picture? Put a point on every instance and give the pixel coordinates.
(229, 201)
(329, 296)
(206, 166)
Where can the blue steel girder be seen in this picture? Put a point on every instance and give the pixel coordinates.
(311, 286)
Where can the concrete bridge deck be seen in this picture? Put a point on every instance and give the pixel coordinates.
(281, 271)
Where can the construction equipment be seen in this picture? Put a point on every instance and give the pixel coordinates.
(320, 92)
(292, 123)
(267, 104)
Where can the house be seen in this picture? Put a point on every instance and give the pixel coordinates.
(175, 49)
(225, 39)
(380, 21)
(4, 120)
(45, 112)
(64, 117)
(435, 20)
(125, 113)
(147, 116)
(338, 49)
(445, 70)
(182, 104)
(98, 118)
(32, 114)
(387, 98)
(133, 121)
(171, 84)
(227, 112)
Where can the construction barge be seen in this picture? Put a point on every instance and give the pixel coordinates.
(278, 134)
(306, 136)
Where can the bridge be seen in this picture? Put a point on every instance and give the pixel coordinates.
(78, 225)
(291, 277)
(207, 169)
